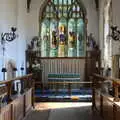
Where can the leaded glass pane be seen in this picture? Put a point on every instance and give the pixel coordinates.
(47, 15)
(60, 2)
(81, 14)
(55, 2)
(74, 15)
(65, 2)
(74, 8)
(80, 38)
(47, 9)
(62, 48)
(52, 10)
(71, 38)
(78, 15)
(53, 38)
(65, 11)
(73, 1)
(60, 11)
(63, 21)
(69, 2)
(45, 43)
(78, 8)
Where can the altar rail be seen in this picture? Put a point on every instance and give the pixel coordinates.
(54, 92)
(16, 104)
(68, 85)
(106, 99)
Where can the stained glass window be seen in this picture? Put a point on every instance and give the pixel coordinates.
(62, 29)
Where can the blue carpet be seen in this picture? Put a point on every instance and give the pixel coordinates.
(80, 94)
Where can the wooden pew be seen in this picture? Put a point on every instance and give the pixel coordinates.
(18, 105)
(108, 106)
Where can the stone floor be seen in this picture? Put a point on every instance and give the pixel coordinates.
(63, 111)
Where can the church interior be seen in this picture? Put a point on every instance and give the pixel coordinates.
(59, 60)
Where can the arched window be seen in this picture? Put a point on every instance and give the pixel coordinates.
(63, 29)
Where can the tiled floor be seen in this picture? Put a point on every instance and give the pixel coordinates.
(63, 111)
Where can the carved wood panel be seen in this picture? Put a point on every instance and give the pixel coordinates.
(18, 108)
(6, 113)
(107, 109)
(97, 100)
(117, 113)
(28, 100)
(3, 90)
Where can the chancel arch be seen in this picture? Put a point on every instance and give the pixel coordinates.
(63, 28)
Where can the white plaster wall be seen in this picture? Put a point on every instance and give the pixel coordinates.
(12, 13)
(22, 23)
(8, 18)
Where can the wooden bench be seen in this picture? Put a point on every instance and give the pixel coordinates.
(16, 106)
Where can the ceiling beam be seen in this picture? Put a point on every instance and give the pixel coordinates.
(28, 5)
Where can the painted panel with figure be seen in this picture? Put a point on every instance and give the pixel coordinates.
(53, 38)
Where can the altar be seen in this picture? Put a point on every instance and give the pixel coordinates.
(61, 47)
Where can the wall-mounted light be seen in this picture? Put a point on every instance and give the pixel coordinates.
(115, 33)
(7, 37)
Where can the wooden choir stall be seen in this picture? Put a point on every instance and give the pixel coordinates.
(16, 105)
(106, 97)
